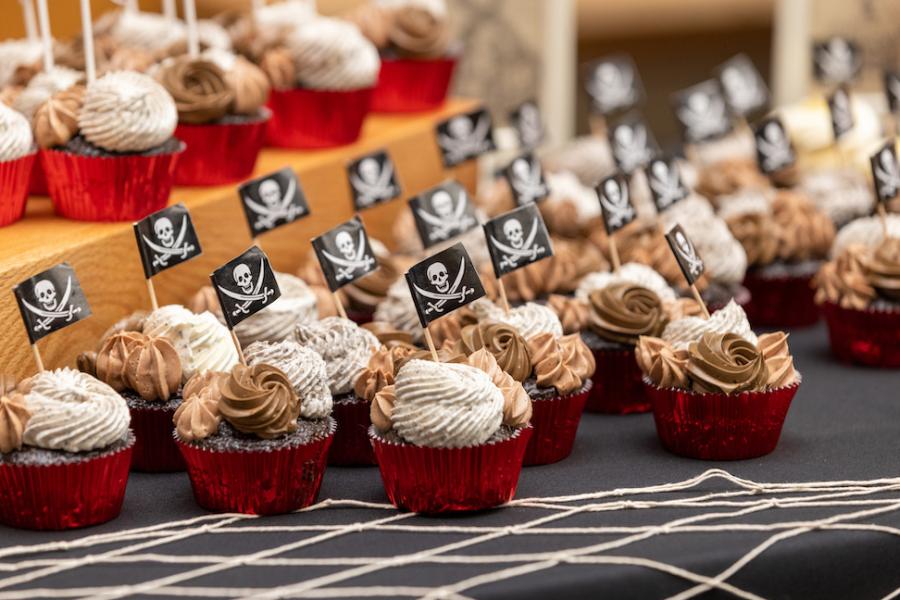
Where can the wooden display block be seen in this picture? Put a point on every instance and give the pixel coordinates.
(106, 259)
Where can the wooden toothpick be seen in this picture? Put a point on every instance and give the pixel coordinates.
(237, 345)
(699, 300)
(430, 341)
(37, 358)
(614, 254)
(154, 304)
(339, 305)
(503, 298)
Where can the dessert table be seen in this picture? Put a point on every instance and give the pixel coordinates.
(622, 518)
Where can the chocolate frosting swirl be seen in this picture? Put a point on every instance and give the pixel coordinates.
(278, 65)
(726, 363)
(153, 369)
(804, 231)
(883, 268)
(622, 312)
(199, 88)
(564, 363)
(374, 21)
(112, 357)
(665, 366)
(418, 33)
(845, 280)
(198, 416)
(503, 342)
(389, 335)
(250, 86)
(572, 313)
(56, 120)
(382, 409)
(259, 400)
(14, 416)
(779, 362)
(757, 233)
(516, 403)
(380, 371)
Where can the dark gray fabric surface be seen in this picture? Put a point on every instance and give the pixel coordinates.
(844, 424)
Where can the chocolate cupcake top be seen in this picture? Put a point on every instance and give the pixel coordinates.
(153, 369)
(374, 21)
(303, 367)
(516, 403)
(572, 312)
(564, 363)
(726, 363)
(390, 336)
(845, 280)
(418, 32)
(344, 345)
(883, 268)
(109, 365)
(198, 416)
(56, 121)
(14, 417)
(729, 176)
(665, 366)
(623, 312)
(381, 371)
(259, 400)
(779, 362)
(503, 342)
(198, 87)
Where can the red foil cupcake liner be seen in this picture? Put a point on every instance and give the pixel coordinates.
(109, 188)
(38, 184)
(555, 423)
(257, 483)
(154, 449)
(15, 177)
(410, 85)
(719, 426)
(868, 337)
(64, 496)
(219, 153)
(781, 301)
(437, 480)
(351, 445)
(303, 118)
(618, 388)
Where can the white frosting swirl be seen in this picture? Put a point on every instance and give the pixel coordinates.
(438, 8)
(743, 202)
(148, 31)
(345, 347)
(15, 134)
(332, 54)
(14, 54)
(276, 19)
(866, 231)
(42, 86)
(304, 368)
(73, 411)
(529, 319)
(842, 194)
(635, 273)
(737, 145)
(203, 344)
(399, 310)
(566, 188)
(126, 111)
(445, 405)
(296, 305)
(731, 319)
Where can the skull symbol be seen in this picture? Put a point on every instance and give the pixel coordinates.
(345, 245)
(687, 250)
(521, 169)
(243, 278)
(624, 136)
(460, 127)
(698, 103)
(369, 170)
(773, 133)
(164, 231)
(439, 278)
(612, 192)
(442, 204)
(660, 171)
(512, 229)
(270, 193)
(46, 294)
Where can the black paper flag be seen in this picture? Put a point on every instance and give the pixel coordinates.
(745, 90)
(442, 213)
(702, 112)
(526, 120)
(442, 283)
(517, 238)
(273, 200)
(885, 172)
(165, 239)
(841, 112)
(465, 136)
(51, 300)
(774, 151)
(633, 144)
(615, 203)
(836, 60)
(345, 253)
(666, 185)
(245, 285)
(690, 262)
(613, 84)
(373, 180)
(526, 179)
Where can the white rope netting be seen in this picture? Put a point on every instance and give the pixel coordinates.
(719, 503)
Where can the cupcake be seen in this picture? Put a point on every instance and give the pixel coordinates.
(17, 156)
(346, 349)
(719, 395)
(786, 239)
(116, 160)
(62, 477)
(398, 312)
(859, 291)
(416, 60)
(322, 94)
(246, 447)
(220, 99)
(443, 439)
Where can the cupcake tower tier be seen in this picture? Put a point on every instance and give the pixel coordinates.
(106, 258)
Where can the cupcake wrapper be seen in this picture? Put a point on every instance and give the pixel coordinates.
(15, 178)
(555, 423)
(67, 496)
(868, 337)
(409, 85)
(303, 118)
(781, 301)
(719, 426)
(618, 388)
(154, 449)
(257, 483)
(351, 445)
(202, 164)
(113, 188)
(436, 480)
(38, 184)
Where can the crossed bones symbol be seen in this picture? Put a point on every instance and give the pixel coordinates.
(62, 311)
(512, 256)
(450, 294)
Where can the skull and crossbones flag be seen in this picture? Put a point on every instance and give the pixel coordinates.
(245, 285)
(702, 112)
(836, 60)
(885, 172)
(345, 253)
(615, 203)
(774, 151)
(526, 179)
(892, 90)
(613, 84)
(745, 90)
(841, 112)
(466, 136)
(442, 283)
(51, 300)
(442, 213)
(666, 184)
(686, 254)
(517, 238)
(373, 180)
(526, 120)
(273, 200)
(165, 239)
(633, 144)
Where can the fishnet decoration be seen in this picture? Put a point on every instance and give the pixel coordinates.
(851, 506)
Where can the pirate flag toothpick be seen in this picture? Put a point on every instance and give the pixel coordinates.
(892, 90)
(273, 200)
(702, 112)
(836, 61)
(886, 175)
(442, 213)
(516, 239)
(690, 262)
(774, 151)
(613, 84)
(617, 210)
(372, 180)
(526, 120)
(165, 239)
(841, 112)
(526, 179)
(345, 253)
(466, 136)
(245, 285)
(666, 185)
(745, 90)
(49, 301)
(633, 144)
